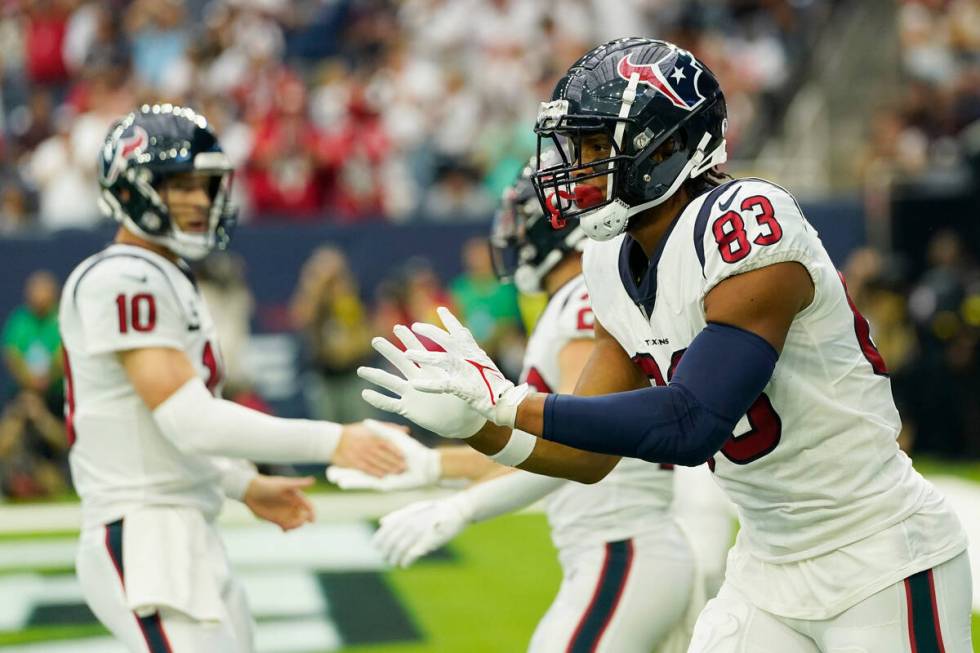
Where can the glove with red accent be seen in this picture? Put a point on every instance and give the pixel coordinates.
(443, 414)
(465, 370)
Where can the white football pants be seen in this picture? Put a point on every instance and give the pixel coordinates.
(101, 573)
(929, 612)
(620, 597)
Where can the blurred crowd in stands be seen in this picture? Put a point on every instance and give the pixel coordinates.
(342, 110)
(355, 110)
(933, 127)
(928, 332)
(329, 317)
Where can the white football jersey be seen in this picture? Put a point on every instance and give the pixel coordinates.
(628, 500)
(814, 466)
(127, 297)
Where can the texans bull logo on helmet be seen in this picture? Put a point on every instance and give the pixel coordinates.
(114, 159)
(676, 78)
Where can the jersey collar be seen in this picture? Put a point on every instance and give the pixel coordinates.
(632, 259)
(634, 265)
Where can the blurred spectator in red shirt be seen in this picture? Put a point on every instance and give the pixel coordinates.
(286, 173)
(357, 151)
(47, 22)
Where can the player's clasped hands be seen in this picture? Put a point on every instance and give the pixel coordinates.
(450, 392)
(422, 467)
(367, 446)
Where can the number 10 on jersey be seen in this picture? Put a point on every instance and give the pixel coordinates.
(138, 312)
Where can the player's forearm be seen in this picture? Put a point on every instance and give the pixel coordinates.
(507, 493)
(464, 462)
(197, 422)
(684, 423)
(548, 458)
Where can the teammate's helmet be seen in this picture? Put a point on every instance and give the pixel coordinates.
(144, 148)
(664, 114)
(525, 247)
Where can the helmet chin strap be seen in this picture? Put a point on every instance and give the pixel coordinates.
(610, 220)
(629, 96)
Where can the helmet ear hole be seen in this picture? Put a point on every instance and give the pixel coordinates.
(675, 143)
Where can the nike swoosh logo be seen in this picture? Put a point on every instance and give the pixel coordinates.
(194, 327)
(135, 278)
(727, 203)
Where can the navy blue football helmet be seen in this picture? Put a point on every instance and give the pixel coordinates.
(664, 117)
(140, 151)
(524, 245)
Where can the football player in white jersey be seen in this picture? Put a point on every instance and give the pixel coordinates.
(147, 426)
(721, 293)
(616, 538)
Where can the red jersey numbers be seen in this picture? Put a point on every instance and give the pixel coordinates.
(649, 366)
(585, 320)
(763, 436)
(536, 381)
(862, 329)
(69, 397)
(766, 428)
(138, 312)
(730, 231)
(646, 362)
(210, 362)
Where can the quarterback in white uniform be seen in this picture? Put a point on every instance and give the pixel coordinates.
(721, 293)
(616, 538)
(148, 430)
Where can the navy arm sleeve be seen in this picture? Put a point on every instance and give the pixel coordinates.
(722, 372)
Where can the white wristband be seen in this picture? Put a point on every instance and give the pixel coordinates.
(517, 450)
(236, 476)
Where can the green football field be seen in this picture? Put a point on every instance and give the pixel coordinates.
(487, 610)
(484, 594)
(487, 599)
(491, 600)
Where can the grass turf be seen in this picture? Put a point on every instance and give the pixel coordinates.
(490, 601)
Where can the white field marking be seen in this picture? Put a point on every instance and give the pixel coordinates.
(332, 507)
(272, 594)
(339, 546)
(278, 593)
(296, 636)
(87, 645)
(292, 636)
(344, 546)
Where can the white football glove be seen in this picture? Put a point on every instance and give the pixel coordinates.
(420, 528)
(443, 414)
(423, 466)
(464, 370)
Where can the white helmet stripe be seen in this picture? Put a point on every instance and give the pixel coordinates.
(629, 95)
